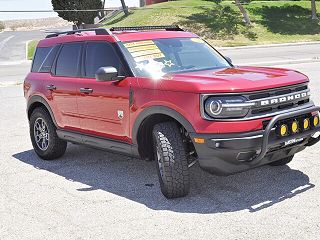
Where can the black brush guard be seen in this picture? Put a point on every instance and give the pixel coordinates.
(265, 140)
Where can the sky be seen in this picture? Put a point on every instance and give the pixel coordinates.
(42, 5)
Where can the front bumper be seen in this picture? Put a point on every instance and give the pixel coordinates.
(226, 154)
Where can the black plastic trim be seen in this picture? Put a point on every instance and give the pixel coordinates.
(98, 31)
(159, 110)
(98, 142)
(39, 99)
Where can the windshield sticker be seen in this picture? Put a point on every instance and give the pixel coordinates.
(144, 50)
(168, 63)
(139, 43)
(147, 52)
(148, 57)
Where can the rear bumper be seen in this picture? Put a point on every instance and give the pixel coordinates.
(226, 154)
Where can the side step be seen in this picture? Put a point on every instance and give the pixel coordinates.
(97, 142)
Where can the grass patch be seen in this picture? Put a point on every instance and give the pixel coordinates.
(31, 48)
(222, 25)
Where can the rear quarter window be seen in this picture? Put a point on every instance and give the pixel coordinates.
(44, 58)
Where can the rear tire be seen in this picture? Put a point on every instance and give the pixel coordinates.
(44, 138)
(171, 160)
(282, 162)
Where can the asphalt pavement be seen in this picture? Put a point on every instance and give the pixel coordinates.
(93, 194)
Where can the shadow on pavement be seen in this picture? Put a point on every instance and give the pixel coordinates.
(137, 180)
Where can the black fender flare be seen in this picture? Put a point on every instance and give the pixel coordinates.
(39, 99)
(159, 110)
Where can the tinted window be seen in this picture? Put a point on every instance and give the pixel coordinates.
(68, 59)
(39, 57)
(48, 61)
(100, 54)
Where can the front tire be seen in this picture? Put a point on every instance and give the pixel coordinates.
(172, 163)
(44, 138)
(281, 162)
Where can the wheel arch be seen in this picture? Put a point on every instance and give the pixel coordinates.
(38, 101)
(142, 128)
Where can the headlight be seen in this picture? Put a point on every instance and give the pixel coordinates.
(227, 107)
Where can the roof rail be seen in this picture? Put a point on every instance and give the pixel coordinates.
(146, 28)
(98, 31)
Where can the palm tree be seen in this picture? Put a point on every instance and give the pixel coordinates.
(244, 12)
(124, 7)
(314, 10)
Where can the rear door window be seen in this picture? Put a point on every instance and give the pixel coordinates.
(68, 61)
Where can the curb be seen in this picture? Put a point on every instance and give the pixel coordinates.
(270, 45)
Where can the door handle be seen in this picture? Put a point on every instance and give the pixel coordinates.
(51, 87)
(86, 90)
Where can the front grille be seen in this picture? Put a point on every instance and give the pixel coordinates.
(277, 92)
(279, 99)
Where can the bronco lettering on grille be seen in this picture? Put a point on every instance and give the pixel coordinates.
(284, 99)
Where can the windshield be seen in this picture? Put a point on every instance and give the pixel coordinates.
(155, 58)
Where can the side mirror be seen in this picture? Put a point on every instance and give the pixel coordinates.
(228, 59)
(108, 74)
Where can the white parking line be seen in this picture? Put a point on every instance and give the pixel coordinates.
(3, 42)
(14, 62)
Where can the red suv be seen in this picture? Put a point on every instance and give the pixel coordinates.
(164, 94)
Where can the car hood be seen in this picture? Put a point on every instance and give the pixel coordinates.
(237, 79)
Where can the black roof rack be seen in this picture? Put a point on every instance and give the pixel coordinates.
(98, 31)
(104, 31)
(146, 28)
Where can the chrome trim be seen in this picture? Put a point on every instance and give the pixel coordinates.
(237, 138)
(244, 105)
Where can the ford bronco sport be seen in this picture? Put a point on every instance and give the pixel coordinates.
(164, 94)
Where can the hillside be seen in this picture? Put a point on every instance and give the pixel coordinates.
(32, 24)
(221, 24)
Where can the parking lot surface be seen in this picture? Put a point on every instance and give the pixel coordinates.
(92, 194)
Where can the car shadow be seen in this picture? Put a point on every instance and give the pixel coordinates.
(137, 180)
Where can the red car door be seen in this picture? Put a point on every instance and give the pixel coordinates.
(103, 107)
(62, 84)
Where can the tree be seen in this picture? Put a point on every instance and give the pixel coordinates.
(77, 17)
(124, 7)
(244, 12)
(103, 13)
(313, 10)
